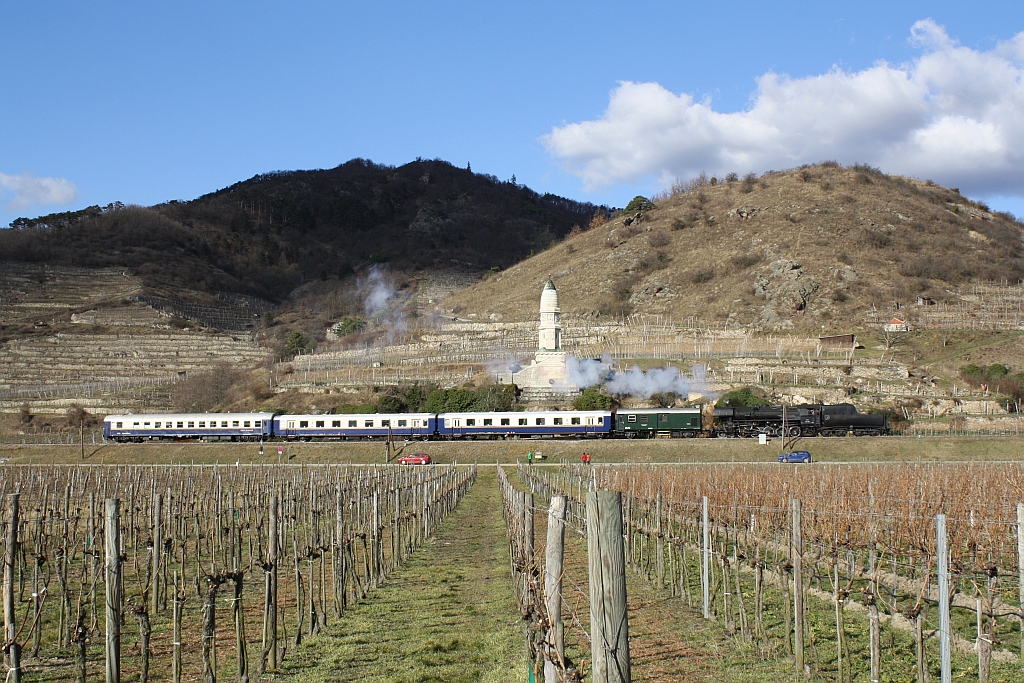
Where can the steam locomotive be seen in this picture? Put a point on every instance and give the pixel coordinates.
(812, 419)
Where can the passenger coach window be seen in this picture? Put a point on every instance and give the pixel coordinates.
(234, 423)
(136, 424)
(558, 420)
(575, 420)
(181, 425)
(385, 423)
(505, 422)
(600, 420)
(319, 423)
(202, 424)
(120, 425)
(471, 422)
(336, 423)
(523, 421)
(488, 422)
(540, 420)
(246, 423)
(369, 423)
(191, 425)
(402, 423)
(352, 423)
(631, 418)
(146, 424)
(303, 424)
(157, 425)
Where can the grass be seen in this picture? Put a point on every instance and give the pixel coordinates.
(447, 615)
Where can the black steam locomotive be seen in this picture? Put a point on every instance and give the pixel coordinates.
(812, 419)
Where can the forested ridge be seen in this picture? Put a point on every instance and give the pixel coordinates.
(266, 235)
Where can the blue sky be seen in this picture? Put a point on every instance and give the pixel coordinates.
(142, 103)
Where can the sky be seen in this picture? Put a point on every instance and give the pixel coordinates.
(597, 101)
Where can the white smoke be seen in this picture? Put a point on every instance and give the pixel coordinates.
(636, 382)
(588, 372)
(507, 364)
(382, 302)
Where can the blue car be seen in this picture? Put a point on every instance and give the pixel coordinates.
(795, 456)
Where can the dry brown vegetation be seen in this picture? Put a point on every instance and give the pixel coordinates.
(827, 242)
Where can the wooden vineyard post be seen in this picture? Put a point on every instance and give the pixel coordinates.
(1020, 568)
(528, 545)
(112, 543)
(798, 589)
(943, 568)
(553, 567)
(10, 621)
(339, 571)
(705, 559)
(609, 623)
(176, 630)
(158, 547)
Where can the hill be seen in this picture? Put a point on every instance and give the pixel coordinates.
(269, 234)
(818, 248)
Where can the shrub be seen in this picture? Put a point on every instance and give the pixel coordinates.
(731, 177)
(749, 181)
(592, 399)
(741, 398)
(390, 404)
(348, 325)
(658, 239)
(298, 342)
(876, 239)
(639, 203)
(703, 275)
(744, 261)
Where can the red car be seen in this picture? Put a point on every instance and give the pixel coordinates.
(414, 459)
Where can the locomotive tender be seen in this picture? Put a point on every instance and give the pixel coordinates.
(802, 420)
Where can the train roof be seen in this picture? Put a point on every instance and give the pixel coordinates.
(189, 416)
(384, 416)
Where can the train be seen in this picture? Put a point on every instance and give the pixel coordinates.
(626, 423)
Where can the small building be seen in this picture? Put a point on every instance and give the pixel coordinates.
(834, 341)
(925, 301)
(897, 325)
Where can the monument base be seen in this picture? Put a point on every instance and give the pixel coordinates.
(548, 370)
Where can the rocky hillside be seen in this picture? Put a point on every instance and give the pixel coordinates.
(820, 248)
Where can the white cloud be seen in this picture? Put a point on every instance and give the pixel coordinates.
(954, 115)
(25, 190)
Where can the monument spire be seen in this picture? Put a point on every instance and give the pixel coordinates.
(550, 331)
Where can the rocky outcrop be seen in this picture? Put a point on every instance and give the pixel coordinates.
(786, 290)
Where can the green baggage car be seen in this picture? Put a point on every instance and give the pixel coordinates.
(648, 423)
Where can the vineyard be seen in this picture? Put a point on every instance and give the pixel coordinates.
(97, 557)
(732, 572)
(849, 573)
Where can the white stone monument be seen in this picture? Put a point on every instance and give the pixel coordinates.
(550, 367)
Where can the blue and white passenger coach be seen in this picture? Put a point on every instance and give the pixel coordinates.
(581, 423)
(357, 426)
(206, 426)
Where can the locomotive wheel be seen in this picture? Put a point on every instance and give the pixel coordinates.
(793, 431)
